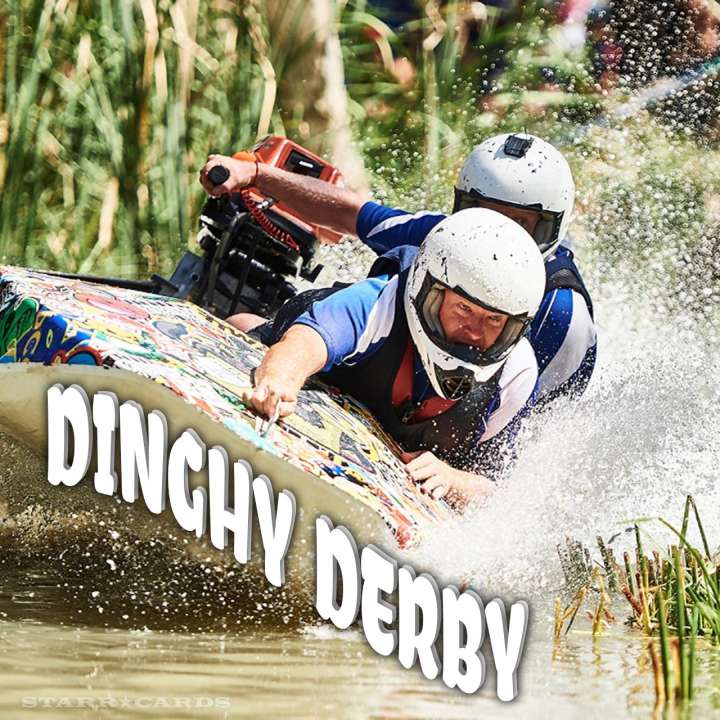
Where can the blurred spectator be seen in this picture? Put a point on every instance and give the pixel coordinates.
(662, 39)
(636, 43)
(570, 15)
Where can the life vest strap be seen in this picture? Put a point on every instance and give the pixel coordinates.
(402, 393)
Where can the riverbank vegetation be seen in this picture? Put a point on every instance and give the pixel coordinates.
(107, 110)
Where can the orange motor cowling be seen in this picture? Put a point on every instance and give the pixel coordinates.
(283, 153)
(253, 246)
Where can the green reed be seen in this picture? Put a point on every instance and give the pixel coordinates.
(674, 596)
(107, 111)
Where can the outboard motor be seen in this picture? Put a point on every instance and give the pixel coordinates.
(253, 247)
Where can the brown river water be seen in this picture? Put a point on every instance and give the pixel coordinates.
(59, 671)
(97, 621)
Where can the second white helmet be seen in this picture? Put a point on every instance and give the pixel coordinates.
(524, 174)
(492, 262)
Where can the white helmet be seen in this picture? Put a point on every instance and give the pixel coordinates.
(494, 263)
(525, 173)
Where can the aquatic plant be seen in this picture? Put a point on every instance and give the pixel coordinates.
(674, 596)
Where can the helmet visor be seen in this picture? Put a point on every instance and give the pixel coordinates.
(543, 225)
(427, 306)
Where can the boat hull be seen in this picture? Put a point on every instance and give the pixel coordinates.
(171, 356)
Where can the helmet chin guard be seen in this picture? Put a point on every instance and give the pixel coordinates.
(455, 383)
(494, 264)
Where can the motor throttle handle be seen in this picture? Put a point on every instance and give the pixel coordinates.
(218, 174)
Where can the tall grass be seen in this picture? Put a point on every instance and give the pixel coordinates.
(107, 110)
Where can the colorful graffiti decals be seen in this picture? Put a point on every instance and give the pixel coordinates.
(53, 340)
(17, 316)
(106, 301)
(309, 414)
(204, 361)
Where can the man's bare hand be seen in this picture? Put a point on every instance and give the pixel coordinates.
(272, 393)
(286, 366)
(316, 201)
(440, 480)
(242, 174)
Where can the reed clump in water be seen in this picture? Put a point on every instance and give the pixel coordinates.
(674, 596)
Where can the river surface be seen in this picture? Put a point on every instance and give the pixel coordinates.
(60, 671)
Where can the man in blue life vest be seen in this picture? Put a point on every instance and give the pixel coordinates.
(520, 176)
(432, 342)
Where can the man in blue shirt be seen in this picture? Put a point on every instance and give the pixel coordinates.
(520, 176)
(529, 181)
(433, 343)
